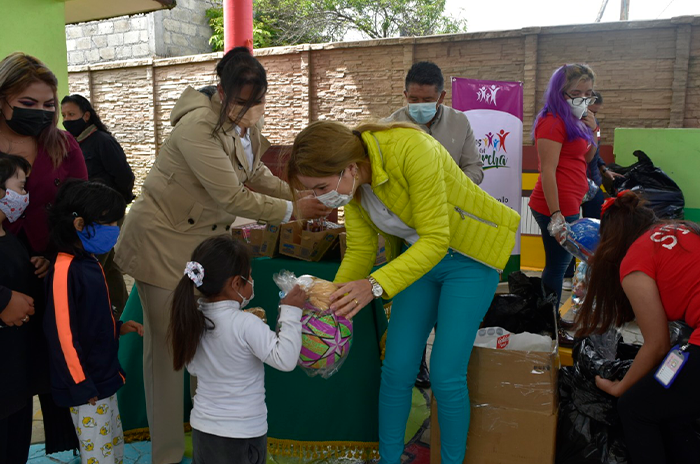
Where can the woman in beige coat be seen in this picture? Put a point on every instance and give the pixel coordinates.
(197, 187)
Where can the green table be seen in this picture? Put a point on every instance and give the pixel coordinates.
(309, 417)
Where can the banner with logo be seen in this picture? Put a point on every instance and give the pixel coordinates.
(495, 112)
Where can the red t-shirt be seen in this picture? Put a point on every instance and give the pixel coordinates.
(670, 254)
(572, 183)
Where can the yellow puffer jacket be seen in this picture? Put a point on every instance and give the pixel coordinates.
(415, 178)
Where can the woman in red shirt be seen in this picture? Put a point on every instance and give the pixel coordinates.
(647, 270)
(565, 144)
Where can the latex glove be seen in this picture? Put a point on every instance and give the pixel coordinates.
(557, 227)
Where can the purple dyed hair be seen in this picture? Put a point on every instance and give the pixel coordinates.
(556, 104)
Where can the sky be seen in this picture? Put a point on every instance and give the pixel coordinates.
(498, 15)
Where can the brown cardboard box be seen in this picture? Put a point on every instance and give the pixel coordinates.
(381, 250)
(307, 245)
(262, 240)
(513, 397)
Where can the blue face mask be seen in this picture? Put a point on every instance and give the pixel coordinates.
(99, 238)
(422, 113)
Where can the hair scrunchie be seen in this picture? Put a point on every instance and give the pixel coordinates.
(195, 272)
(610, 201)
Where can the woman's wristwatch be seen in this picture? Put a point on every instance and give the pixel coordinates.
(377, 290)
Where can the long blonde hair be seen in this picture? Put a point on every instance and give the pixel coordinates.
(17, 72)
(325, 148)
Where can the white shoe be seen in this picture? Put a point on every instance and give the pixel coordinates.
(567, 285)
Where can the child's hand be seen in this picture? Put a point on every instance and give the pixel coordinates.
(41, 265)
(296, 297)
(131, 326)
(93, 401)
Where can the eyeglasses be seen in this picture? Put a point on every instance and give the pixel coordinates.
(578, 101)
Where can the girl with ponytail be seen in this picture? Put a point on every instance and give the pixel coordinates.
(646, 269)
(226, 349)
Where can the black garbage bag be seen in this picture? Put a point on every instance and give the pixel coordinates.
(527, 308)
(662, 193)
(589, 429)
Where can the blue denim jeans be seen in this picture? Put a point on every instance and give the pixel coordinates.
(456, 293)
(557, 259)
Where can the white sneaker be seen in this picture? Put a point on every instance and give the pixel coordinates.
(567, 285)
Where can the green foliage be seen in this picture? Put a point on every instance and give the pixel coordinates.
(288, 22)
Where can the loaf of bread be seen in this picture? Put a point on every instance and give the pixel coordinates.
(258, 312)
(320, 293)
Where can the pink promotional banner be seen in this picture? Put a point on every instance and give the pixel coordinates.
(495, 113)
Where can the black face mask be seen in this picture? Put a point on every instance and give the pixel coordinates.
(75, 127)
(29, 122)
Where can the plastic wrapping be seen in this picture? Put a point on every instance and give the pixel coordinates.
(527, 308)
(592, 191)
(261, 239)
(310, 240)
(326, 339)
(662, 193)
(579, 286)
(582, 237)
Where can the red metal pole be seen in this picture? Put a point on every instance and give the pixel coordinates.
(238, 24)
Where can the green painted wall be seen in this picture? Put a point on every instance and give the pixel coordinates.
(676, 151)
(38, 28)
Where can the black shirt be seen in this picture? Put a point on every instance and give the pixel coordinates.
(106, 163)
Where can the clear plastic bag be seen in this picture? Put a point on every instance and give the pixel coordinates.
(326, 339)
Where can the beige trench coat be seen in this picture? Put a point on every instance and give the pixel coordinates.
(196, 188)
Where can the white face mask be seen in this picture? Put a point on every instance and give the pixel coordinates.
(244, 300)
(333, 199)
(577, 111)
(13, 204)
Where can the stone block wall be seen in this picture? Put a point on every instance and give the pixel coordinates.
(184, 30)
(648, 71)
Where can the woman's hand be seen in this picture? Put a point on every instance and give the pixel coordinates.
(131, 326)
(557, 227)
(351, 297)
(18, 310)
(41, 265)
(611, 387)
(310, 208)
(296, 297)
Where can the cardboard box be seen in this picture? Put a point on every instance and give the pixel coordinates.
(513, 396)
(262, 240)
(306, 245)
(381, 249)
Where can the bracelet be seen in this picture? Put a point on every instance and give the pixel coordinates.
(555, 212)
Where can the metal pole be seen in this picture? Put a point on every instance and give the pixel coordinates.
(624, 10)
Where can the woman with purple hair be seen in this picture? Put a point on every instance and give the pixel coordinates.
(565, 144)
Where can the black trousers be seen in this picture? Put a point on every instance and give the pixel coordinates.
(16, 435)
(658, 422)
(212, 449)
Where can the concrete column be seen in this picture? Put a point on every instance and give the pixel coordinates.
(306, 57)
(679, 86)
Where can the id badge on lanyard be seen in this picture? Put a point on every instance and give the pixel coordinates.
(671, 366)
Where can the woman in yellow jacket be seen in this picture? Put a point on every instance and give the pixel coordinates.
(446, 241)
(197, 187)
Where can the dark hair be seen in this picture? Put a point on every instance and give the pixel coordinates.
(555, 102)
(606, 304)
(598, 98)
(11, 165)
(93, 201)
(237, 69)
(86, 107)
(17, 72)
(222, 257)
(425, 73)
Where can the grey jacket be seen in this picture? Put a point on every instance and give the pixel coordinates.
(452, 129)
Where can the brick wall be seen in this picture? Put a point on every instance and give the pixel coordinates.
(183, 30)
(648, 71)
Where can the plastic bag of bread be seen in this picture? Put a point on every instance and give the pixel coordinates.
(258, 312)
(325, 338)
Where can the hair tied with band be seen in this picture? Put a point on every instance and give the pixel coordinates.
(610, 201)
(195, 272)
(357, 134)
